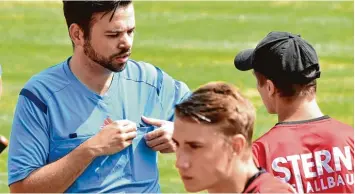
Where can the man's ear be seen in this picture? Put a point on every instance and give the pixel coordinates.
(76, 35)
(271, 89)
(239, 144)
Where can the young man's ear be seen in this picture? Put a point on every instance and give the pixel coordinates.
(76, 35)
(239, 143)
(271, 89)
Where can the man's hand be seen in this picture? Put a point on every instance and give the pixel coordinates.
(161, 138)
(113, 137)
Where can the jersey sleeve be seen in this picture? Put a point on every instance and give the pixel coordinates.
(259, 155)
(29, 139)
(172, 92)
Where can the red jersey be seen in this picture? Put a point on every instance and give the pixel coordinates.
(264, 182)
(313, 156)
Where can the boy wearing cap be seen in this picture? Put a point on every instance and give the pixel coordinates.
(213, 137)
(310, 150)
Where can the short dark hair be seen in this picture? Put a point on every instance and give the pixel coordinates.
(289, 90)
(220, 103)
(81, 12)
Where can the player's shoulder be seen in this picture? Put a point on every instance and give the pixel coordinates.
(141, 71)
(47, 82)
(272, 139)
(271, 134)
(329, 128)
(336, 123)
(341, 132)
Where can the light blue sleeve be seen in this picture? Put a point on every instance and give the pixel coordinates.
(172, 93)
(29, 139)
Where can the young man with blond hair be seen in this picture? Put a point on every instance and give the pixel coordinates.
(213, 136)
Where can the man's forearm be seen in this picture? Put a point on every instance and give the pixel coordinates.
(56, 176)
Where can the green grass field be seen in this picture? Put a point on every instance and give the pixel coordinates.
(192, 41)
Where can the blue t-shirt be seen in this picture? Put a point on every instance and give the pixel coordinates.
(55, 113)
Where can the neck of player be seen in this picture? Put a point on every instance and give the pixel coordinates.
(301, 109)
(237, 179)
(92, 75)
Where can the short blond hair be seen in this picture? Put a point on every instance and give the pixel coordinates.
(220, 103)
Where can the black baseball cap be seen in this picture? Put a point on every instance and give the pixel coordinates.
(282, 57)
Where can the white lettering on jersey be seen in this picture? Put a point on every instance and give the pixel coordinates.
(281, 169)
(307, 165)
(324, 187)
(331, 182)
(323, 163)
(345, 159)
(322, 160)
(316, 186)
(349, 179)
(340, 181)
(296, 171)
(309, 188)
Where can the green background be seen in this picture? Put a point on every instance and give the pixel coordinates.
(192, 41)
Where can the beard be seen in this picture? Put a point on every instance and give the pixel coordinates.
(106, 62)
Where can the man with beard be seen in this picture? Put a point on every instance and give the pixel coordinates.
(78, 125)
